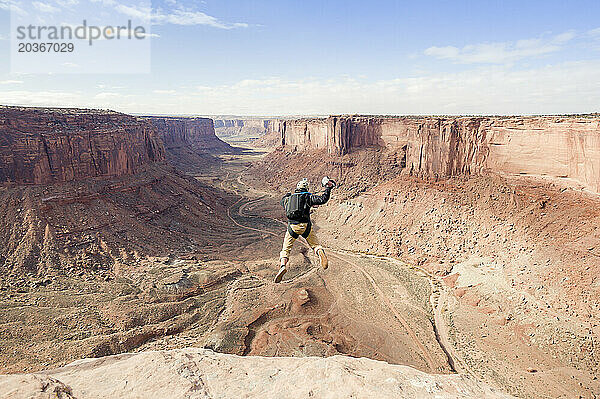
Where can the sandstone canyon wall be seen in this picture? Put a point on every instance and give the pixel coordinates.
(260, 125)
(232, 123)
(263, 132)
(197, 133)
(44, 146)
(79, 188)
(566, 147)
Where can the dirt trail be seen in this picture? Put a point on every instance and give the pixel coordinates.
(440, 329)
(387, 302)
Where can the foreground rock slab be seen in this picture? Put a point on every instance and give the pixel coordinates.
(202, 373)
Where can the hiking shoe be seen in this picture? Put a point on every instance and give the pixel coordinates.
(279, 276)
(323, 258)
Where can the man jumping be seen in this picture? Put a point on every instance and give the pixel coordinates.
(297, 208)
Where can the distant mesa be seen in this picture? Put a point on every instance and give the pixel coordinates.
(197, 133)
(259, 131)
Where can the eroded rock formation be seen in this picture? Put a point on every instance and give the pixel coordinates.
(73, 181)
(197, 133)
(565, 147)
(262, 132)
(57, 145)
(257, 125)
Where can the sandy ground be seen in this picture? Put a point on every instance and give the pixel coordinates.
(225, 299)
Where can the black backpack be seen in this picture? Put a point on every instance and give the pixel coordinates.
(296, 205)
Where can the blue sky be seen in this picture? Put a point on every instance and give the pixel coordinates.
(323, 57)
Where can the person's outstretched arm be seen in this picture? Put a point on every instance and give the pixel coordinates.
(320, 199)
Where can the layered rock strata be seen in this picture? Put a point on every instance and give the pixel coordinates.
(197, 133)
(45, 146)
(563, 147)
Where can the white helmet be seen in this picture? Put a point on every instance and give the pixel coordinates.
(302, 184)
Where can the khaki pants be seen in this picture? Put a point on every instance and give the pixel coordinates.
(288, 241)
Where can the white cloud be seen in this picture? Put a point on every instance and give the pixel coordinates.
(107, 96)
(176, 17)
(40, 98)
(106, 87)
(67, 3)
(141, 13)
(564, 37)
(180, 17)
(594, 32)
(501, 52)
(564, 88)
(45, 7)
(11, 82)
(147, 34)
(572, 87)
(13, 6)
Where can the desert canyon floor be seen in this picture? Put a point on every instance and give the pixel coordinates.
(166, 280)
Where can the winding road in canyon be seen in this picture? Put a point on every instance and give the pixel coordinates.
(353, 260)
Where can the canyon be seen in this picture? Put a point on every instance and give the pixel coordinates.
(463, 255)
(501, 212)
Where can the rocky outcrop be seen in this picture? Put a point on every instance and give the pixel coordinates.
(41, 145)
(249, 124)
(264, 132)
(197, 133)
(201, 373)
(565, 147)
(235, 123)
(273, 133)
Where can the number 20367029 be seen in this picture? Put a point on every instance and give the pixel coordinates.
(46, 47)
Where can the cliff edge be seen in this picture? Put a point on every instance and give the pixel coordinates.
(200, 373)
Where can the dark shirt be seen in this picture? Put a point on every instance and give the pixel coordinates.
(311, 200)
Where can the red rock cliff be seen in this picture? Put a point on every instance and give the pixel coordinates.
(565, 147)
(40, 145)
(254, 125)
(198, 133)
(264, 132)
